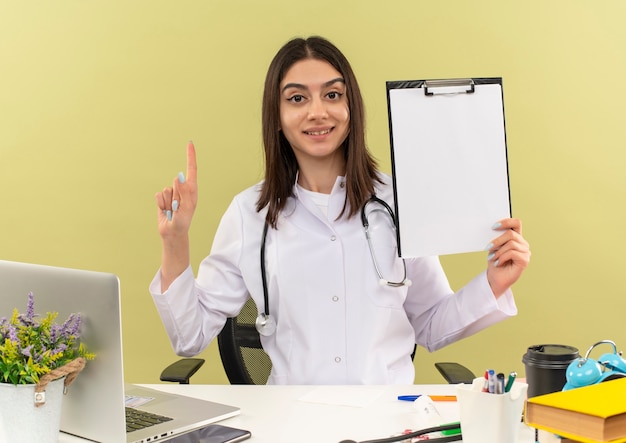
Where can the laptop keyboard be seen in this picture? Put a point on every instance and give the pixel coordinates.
(137, 419)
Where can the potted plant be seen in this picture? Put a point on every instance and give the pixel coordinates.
(39, 358)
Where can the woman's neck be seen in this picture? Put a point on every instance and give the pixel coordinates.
(320, 176)
(321, 182)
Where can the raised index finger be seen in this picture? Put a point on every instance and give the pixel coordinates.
(192, 167)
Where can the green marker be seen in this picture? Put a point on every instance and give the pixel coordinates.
(509, 383)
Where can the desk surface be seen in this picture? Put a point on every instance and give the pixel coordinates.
(285, 414)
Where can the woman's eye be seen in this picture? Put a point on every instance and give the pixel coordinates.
(296, 99)
(334, 95)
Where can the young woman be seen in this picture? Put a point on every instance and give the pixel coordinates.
(332, 318)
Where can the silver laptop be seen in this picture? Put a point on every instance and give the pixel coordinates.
(95, 405)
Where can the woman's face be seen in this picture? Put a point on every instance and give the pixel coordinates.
(314, 113)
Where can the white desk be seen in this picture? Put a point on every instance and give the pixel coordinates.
(276, 414)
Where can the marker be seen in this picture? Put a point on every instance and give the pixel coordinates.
(432, 397)
(486, 384)
(492, 381)
(509, 383)
(500, 383)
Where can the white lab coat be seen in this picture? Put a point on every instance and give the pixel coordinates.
(335, 323)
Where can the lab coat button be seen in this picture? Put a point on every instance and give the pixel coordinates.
(342, 185)
(333, 238)
(335, 298)
(337, 359)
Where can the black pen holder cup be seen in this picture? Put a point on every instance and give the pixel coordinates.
(546, 367)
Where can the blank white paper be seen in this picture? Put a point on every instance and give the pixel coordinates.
(450, 169)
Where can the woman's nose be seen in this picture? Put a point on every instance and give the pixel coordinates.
(317, 109)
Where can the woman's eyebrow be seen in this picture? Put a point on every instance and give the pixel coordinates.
(304, 87)
(333, 81)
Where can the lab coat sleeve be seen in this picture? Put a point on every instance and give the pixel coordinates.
(194, 310)
(440, 317)
(176, 307)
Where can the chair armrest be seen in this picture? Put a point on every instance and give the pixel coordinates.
(182, 370)
(455, 373)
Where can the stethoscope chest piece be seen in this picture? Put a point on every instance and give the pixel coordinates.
(265, 324)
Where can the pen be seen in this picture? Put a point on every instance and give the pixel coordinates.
(432, 397)
(509, 383)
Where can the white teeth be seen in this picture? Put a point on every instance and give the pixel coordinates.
(318, 132)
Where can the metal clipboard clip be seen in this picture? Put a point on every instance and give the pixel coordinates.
(451, 86)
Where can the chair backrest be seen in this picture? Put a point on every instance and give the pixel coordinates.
(240, 348)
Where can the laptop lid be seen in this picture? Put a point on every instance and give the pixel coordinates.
(94, 407)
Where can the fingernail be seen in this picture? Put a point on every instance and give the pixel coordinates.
(496, 225)
(490, 256)
(174, 205)
(488, 247)
(495, 263)
(169, 215)
(181, 177)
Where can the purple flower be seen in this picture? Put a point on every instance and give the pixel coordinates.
(61, 348)
(27, 351)
(28, 319)
(12, 333)
(71, 326)
(55, 333)
(30, 307)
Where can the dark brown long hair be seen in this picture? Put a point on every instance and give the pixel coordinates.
(281, 165)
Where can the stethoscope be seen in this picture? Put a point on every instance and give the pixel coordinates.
(409, 436)
(265, 323)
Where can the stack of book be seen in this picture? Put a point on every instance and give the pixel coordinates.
(591, 414)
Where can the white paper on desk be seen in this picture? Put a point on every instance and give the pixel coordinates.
(346, 396)
(450, 169)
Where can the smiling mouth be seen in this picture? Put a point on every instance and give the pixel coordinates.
(324, 132)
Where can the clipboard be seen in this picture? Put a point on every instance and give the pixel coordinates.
(449, 163)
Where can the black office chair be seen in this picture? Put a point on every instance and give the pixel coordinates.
(245, 362)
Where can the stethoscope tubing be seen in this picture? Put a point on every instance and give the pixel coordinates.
(410, 435)
(366, 226)
(266, 308)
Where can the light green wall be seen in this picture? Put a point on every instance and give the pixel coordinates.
(98, 99)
